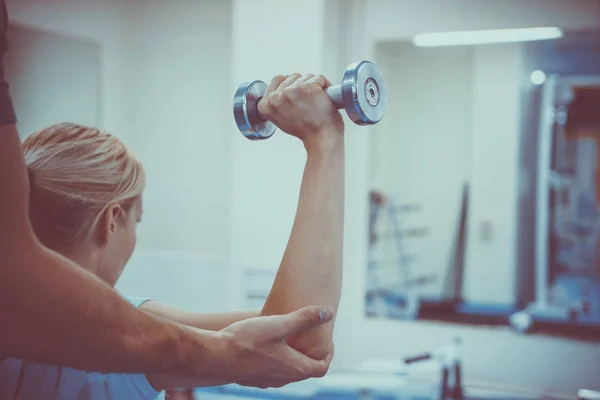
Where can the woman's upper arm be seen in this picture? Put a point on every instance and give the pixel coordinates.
(211, 322)
(168, 312)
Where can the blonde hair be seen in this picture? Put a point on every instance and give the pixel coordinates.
(75, 173)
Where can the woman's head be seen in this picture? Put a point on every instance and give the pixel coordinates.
(86, 193)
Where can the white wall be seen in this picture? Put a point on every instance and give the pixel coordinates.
(98, 22)
(35, 69)
(491, 259)
(188, 280)
(179, 104)
(266, 175)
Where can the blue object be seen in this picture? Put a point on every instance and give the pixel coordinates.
(586, 207)
(581, 291)
(495, 310)
(22, 380)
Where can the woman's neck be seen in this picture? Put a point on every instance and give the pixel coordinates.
(87, 259)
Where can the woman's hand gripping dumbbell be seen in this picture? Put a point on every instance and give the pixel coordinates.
(361, 93)
(297, 104)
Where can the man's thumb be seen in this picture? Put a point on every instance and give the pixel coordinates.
(308, 318)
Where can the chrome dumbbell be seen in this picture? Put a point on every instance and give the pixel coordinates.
(362, 94)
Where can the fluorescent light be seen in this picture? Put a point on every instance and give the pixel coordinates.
(485, 37)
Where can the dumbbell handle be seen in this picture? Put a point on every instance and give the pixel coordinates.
(333, 92)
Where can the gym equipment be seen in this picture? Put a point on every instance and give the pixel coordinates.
(362, 94)
(449, 359)
(388, 297)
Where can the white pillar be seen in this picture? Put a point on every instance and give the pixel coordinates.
(490, 270)
(269, 37)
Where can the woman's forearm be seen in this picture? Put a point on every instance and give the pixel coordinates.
(311, 269)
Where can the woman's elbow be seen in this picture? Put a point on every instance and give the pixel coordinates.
(317, 348)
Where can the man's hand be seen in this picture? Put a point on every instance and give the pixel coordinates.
(299, 106)
(259, 355)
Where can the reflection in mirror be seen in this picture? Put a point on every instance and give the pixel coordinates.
(567, 267)
(462, 225)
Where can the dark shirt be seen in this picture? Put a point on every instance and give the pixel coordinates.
(7, 111)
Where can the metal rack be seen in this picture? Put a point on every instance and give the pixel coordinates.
(397, 298)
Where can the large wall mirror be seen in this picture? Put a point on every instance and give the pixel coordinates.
(484, 192)
(53, 78)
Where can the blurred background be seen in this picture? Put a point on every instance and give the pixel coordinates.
(472, 216)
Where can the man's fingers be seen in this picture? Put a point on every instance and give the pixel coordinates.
(309, 367)
(304, 319)
(319, 368)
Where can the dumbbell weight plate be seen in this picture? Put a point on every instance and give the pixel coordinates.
(245, 113)
(363, 93)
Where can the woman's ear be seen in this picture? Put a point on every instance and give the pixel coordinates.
(111, 220)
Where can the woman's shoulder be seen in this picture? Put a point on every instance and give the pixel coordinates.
(137, 301)
(28, 380)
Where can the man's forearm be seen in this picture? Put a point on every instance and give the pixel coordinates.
(58, 313)
(311, 269)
